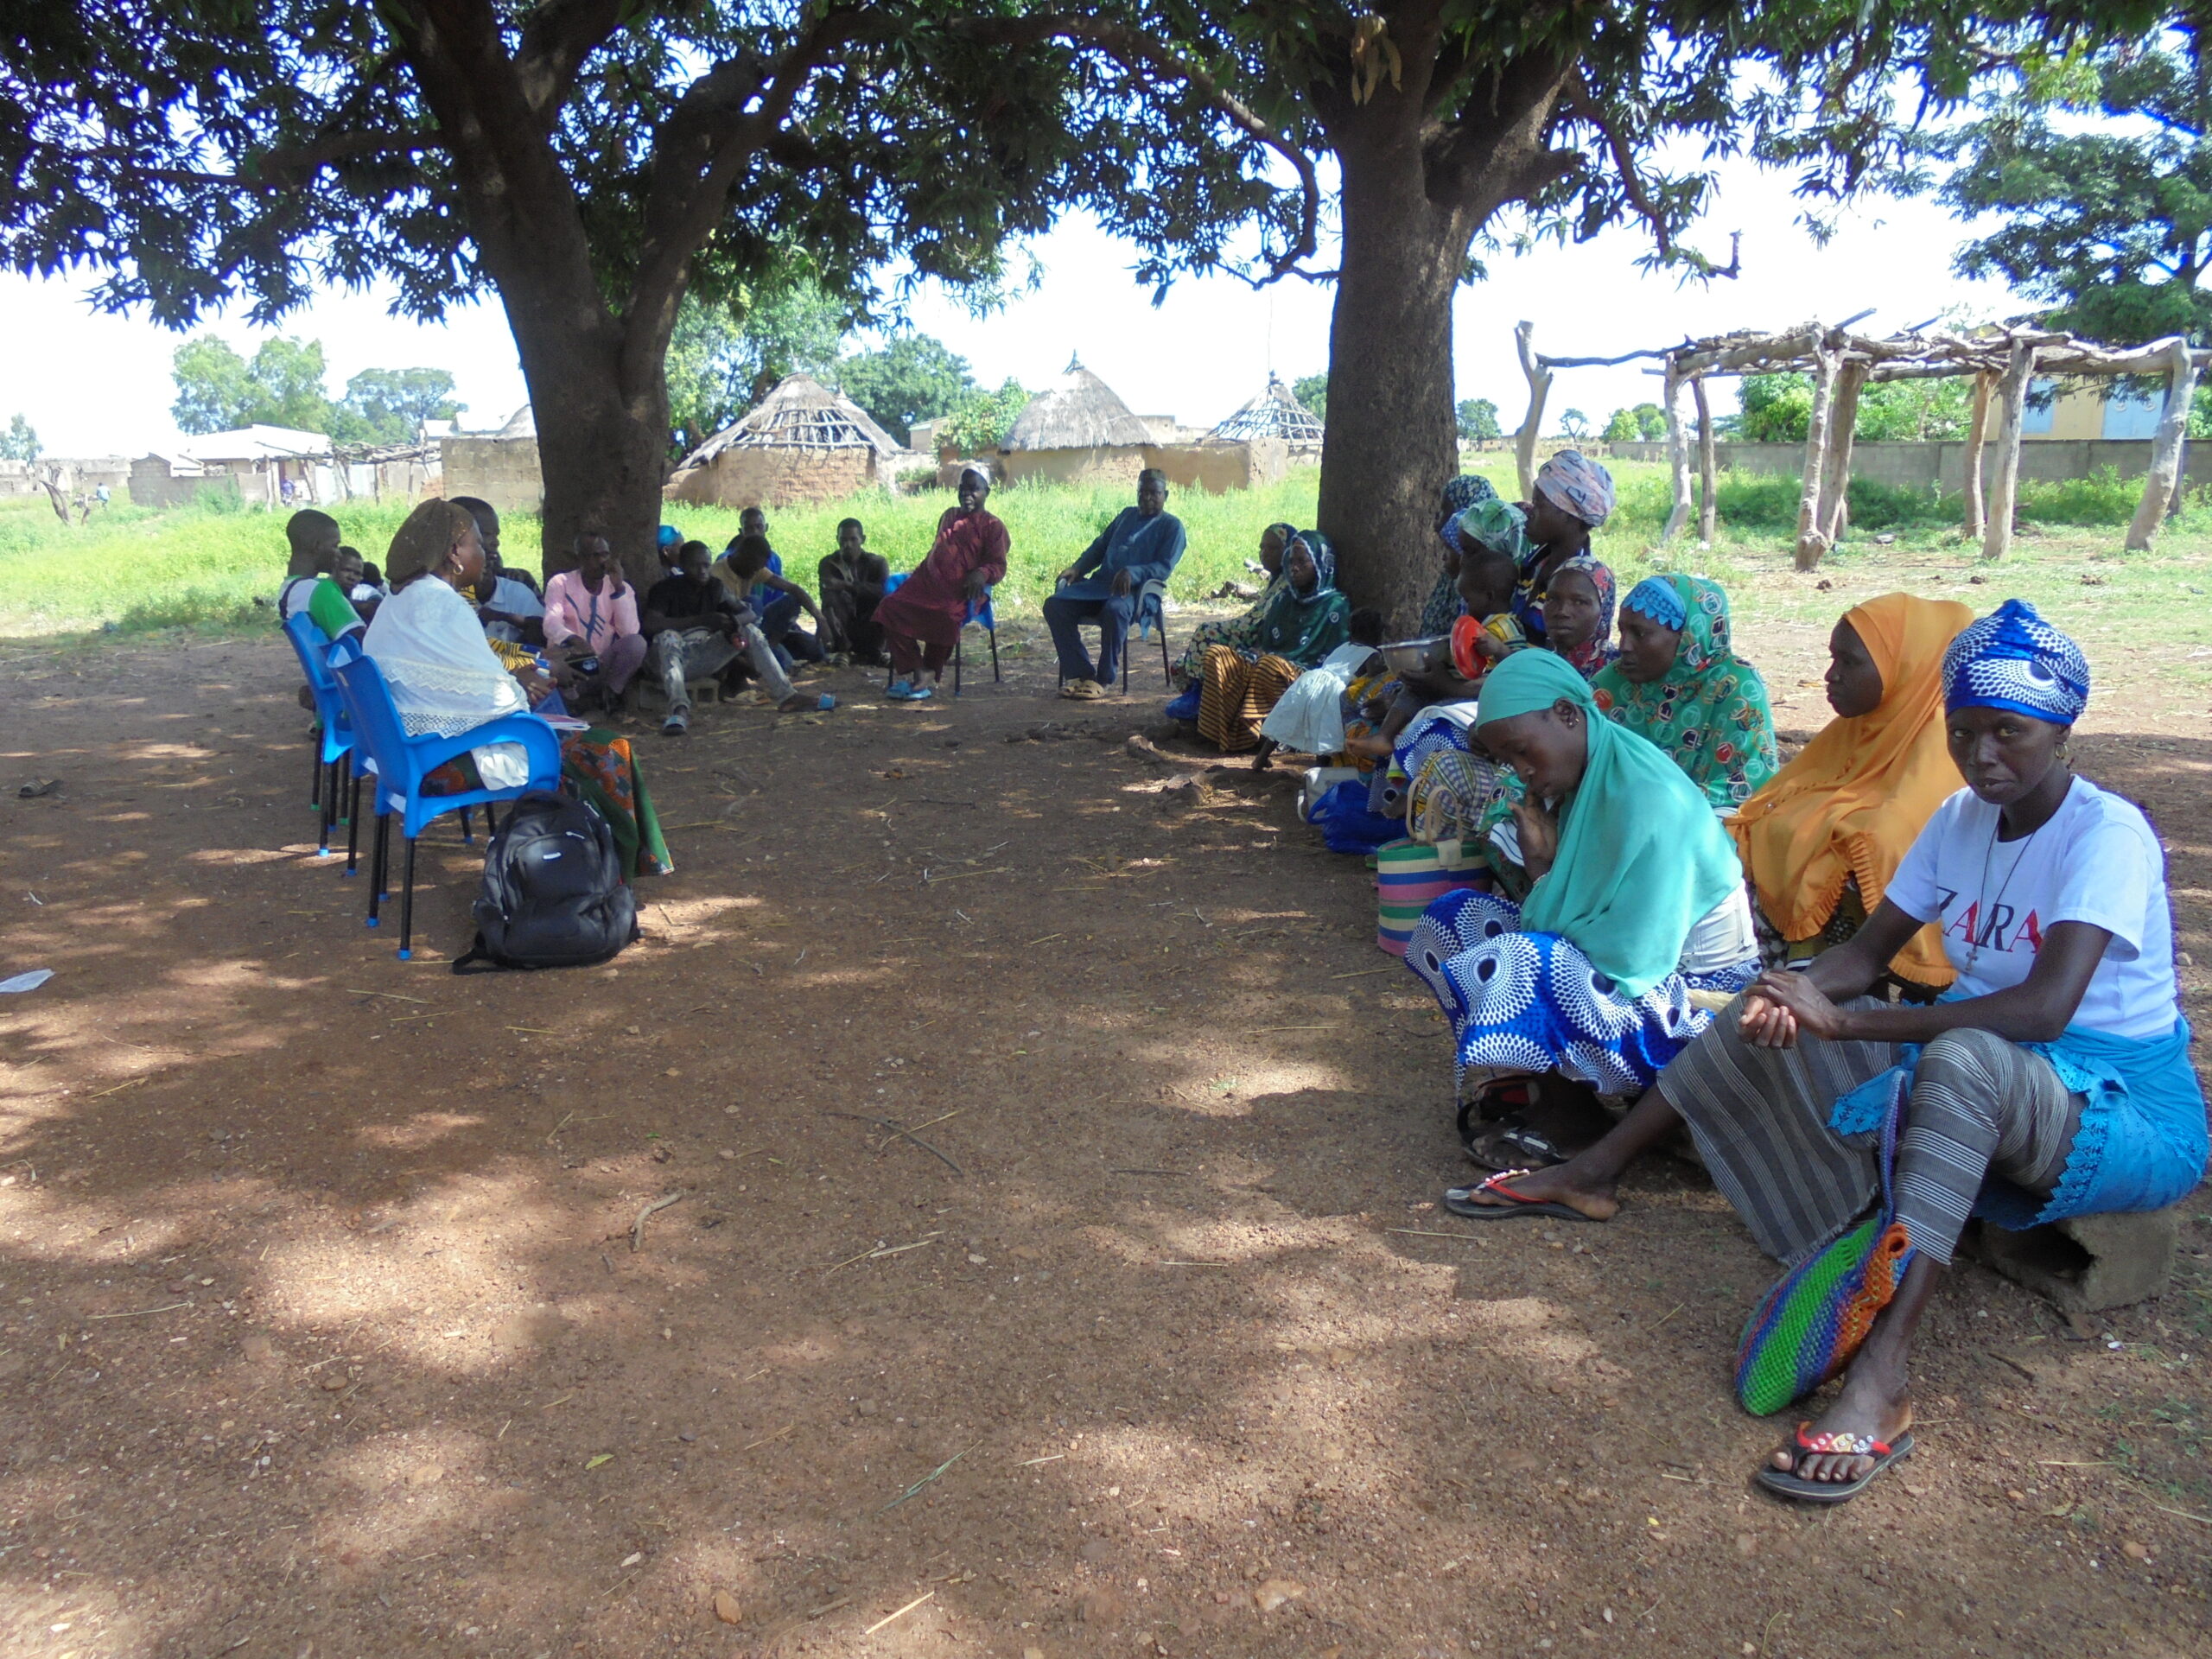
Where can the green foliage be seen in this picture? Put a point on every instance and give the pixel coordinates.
(391, 405)
(1478, 419)
(725, 356)
(218, 391)
(2113, 225)
(1312, 391)
(1645, 423)
(1574, 423)
(1620, 428)
(915, 377)
(980, 420)
(19, 441)
(1779, 409)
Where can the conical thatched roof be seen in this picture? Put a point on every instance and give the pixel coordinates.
(1273, 413)
(801, 413)
(1079, 411)
(523, 423)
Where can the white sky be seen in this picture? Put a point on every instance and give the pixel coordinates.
(98, 384)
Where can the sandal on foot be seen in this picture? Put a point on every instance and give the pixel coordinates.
(1525, 1148)
(1787, 1483)
(1460, 1201)
(1489, 1109)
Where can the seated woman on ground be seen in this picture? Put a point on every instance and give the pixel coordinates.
(1433, 711)
(1305, 621)
(1677, 683)
(1452, 788)
(446, 678)
(2054, 1081)
(1822, 839)
(1442, 609)
(1635, 900)
(1573, 495)
(1237, 632)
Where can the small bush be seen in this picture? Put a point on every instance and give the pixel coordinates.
(2106, 498)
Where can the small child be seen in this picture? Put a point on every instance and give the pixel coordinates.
(1486, 634)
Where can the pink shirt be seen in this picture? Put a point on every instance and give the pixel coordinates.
(574, 611)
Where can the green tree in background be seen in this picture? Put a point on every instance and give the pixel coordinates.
(1645, 423)
(2113, 227)
(913, 378)
(980, 423)
(19, 442)
(214, 388)
(1478, 419)
(391, 405)
(1779, 409)
(1312, 391)
(1574, 423)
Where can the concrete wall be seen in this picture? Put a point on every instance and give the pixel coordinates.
(746, 477)
(81, 474)
(502, 471)
(1917, 465)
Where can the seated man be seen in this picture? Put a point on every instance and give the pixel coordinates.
(488, 531)
(747, 569)
(853, 580)
(668, 543)
(511, 611)
(331, 606)
(314, 538)
(591, 620)
(1142, 545)
(697, 628)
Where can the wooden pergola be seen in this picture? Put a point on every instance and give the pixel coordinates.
(2003, 363)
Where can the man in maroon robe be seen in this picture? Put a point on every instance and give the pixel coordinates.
(922, 619)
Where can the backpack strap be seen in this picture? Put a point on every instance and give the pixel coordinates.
(475, 953)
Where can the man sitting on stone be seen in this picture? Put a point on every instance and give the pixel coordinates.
(698, 628)
(1142, 545)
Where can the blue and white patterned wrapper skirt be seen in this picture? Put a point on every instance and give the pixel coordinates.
(1526, 1001)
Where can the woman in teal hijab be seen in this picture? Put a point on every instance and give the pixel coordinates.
(1637, 900)
(1306, 621)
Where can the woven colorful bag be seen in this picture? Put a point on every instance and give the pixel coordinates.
(1410, 875)
(1807, 1328)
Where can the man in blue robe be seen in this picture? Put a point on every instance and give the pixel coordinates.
(1105, 585)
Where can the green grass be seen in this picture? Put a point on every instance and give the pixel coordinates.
(202, 568)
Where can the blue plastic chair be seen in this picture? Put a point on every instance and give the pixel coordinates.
(333, 732)
(403, 762)
(979, 616)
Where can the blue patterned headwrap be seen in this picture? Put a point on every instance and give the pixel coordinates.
(2013, 658)
(1462, 492)
(1655, 597)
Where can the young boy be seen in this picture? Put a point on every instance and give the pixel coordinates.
(747, 569)
(331, 606)
(313, 539)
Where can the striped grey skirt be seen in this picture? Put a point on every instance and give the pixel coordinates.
(1980, 1105)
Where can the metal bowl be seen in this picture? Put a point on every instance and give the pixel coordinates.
(1418, 656)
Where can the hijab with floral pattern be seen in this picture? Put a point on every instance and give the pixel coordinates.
(1709, 711)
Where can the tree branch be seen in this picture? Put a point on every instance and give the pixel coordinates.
(1140, 53)
(559, 36)
(1585, 107)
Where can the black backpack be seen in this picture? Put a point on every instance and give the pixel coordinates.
(553, 893)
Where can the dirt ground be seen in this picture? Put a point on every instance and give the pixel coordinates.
(329, 1326)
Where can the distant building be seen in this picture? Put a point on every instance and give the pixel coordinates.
(2090, 409)
(500, 467)
(803, 443)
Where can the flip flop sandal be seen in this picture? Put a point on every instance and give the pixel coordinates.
(1478, 1125)
(1460, 1201)
(1787, 1483)
(1525, 1147)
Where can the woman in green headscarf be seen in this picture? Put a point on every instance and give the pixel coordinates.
(1678, 683)
(1637, 901)
(1306, 619)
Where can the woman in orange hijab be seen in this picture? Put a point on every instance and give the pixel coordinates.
(1823, 836)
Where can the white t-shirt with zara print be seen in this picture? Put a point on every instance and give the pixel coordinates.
(2096, 859)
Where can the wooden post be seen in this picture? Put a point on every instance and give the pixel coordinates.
(1977, 432)
(1532, 423)
(2005, 485)
(1708, 509)
(1678, 456)
(2165, 448)
(1835, 465)
(1812, 538)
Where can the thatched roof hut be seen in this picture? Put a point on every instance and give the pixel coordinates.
(1079, 411)
(523, 423)
(803, 442)
(1276, 413)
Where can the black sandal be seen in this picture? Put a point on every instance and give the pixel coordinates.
(1478, 1124)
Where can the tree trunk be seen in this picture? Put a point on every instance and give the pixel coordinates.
(1835, 466)
(1708, 470)
(1812, 536)
(1977, 438)
(2004, 488)
(1678, 456)
(1532, 422)
(2162, 484)
(1391, 443)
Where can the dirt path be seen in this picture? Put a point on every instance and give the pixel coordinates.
(321, 1330)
